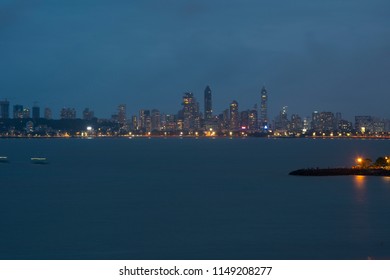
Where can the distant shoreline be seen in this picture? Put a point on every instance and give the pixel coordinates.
(194, 136)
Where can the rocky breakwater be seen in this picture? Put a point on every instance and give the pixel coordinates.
(341, 172)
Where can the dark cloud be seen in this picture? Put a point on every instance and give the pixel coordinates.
(322, 55)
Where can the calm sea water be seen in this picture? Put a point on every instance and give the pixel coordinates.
(190, 199)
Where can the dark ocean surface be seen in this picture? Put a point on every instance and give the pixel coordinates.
(190, 199)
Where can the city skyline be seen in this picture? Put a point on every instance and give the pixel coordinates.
(123, 114)
(324, 56)
(257, 101)
(9, 110)
(190, 120)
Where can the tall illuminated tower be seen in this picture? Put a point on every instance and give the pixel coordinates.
(208, 107)
(122, 113)
(234, 116)
(263, 110)
(191, 116)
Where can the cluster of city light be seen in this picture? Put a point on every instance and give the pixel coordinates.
(380, 163)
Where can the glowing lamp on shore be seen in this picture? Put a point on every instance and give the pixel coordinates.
(359, 160)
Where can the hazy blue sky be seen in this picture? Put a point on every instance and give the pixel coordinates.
(311, 55)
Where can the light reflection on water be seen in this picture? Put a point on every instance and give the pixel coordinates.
(386, 179)
(360, 188)
(359, 181)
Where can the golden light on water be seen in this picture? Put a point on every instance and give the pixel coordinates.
(359, 181)
(360, 189)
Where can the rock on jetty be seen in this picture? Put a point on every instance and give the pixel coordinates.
(341, 172)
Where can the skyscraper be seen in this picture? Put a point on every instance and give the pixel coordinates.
(296, 124)
(4, 109)
(244, 120)
(36, 112)
(234, 116)
(134, 122)
(253, 121)
(263, 110)
(145, 122)
(68, 114)
(122, 113)
(281, 121)
(48, 114)
(88, 114)
(224, 120)
(208, 107)
(364, 124)
(190, 110)
(156, 120)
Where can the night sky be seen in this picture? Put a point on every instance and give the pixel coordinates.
(311, 55)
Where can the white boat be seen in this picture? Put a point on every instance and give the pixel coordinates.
(39, 160)
(3, 159)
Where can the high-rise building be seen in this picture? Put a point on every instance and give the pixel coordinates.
(18, 111)
(244, 119)
(306, 124)
(323, 122)
(134, 122)
(327, 122)
(281, 121)
(364, 124)
(378, 125)
(344, 126)
(48, 114)
(68, 114)
(234, 116)
(122, 113)
(88, 114)
(179, 125)
(224, 120)
(296, 124)
(170, 123)
(4, 109)
(252, 120)
(263, 109)
(156, 120)
(191, 117)
(208, 106)
(145, 122)
(36, 112)
(338, 117)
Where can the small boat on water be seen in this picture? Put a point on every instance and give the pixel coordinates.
(39, 160)
(3, 159)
